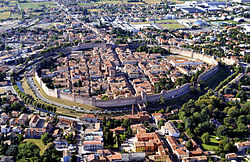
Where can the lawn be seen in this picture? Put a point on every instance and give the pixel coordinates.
(171, 26)
(36, 5)
(64, 102)
(39, 143)
(5, 15)
(214, 144)
(218, 77)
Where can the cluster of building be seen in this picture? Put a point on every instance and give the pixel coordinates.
(100, 72)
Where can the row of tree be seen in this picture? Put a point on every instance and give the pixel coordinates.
(29, 100)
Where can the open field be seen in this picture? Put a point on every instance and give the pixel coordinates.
(152, 1)
(111, 2)
(4, 8)
(140, 3)
(35, 5)
(2, 90)
(218, 77)
(36, 13)
(15, 16)
(64, 102)
(5, 15)
(95, 10)
(213, 145)
(59, 110)
(87, 4)
(39, 143)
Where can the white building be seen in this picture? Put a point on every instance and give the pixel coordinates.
(242, 146)
(240, 1)
(92, 145)
(89, 118)
(5, 129)
(170, 129)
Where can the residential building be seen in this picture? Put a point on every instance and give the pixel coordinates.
(92, 145)
(34, 132)
(170, 129)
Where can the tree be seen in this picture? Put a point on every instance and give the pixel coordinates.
(189, 145)
(125, 123)
(28, 150)
(222, 130)
(51, 154)
(205, 138)
(241, 128)
(46, 138)
(73, 158)
(161, 123)
(229, 147)
(162, 100)
(145, 123)
(79, 84)
(2, 76)
(12, 150)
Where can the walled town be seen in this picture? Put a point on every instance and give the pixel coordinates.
(124, 80)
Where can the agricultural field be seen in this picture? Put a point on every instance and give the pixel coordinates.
(15, 16)
(37, 13)
(139, 3)
(111, 2)
(36, 5)
(5, 15)
(4, 8)
(95, 10)
(87, 4)
(152, 1)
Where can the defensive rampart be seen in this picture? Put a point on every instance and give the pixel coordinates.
(171, 94)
